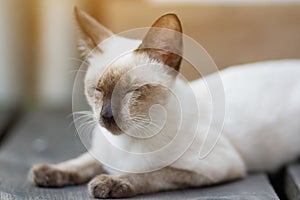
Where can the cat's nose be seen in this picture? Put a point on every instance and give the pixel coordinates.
(106, 113)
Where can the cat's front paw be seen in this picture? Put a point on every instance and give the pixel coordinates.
(105, 186)
(45, 175)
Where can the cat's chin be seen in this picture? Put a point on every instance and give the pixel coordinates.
(113, 129)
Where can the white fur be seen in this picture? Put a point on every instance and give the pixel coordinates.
(261, 128)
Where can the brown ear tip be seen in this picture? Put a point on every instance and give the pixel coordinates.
(79, 12)
(76, 9)
(172, 15)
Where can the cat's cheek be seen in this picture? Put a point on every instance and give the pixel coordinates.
(125, 111)
(90, 92)
(97, 99)
(98, 95)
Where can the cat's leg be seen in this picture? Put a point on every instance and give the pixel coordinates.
(127, 185)
(72, 172)
(169, 178)
(223, 164)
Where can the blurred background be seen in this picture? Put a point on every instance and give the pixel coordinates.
(38, 55)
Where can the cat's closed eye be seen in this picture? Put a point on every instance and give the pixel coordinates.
(98, 89)
(94, 91)
(134, 89)
(140, 89)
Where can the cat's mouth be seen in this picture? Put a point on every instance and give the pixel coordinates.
(111, 125)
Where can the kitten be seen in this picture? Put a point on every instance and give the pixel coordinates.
(261, 130)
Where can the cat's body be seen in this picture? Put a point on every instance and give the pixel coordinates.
(261, 129)
(262, 112)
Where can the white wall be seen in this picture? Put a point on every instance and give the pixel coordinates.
(10, 58)
(56, 58)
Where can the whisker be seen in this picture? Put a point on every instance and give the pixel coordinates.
(148, 122)
(79, 60)
(85, 123)
(79, 113)
(144, 132)
(149, 127)
(84, 117)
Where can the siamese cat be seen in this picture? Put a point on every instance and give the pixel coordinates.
(261, 128)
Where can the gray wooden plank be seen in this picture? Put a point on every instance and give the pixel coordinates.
(292, 182)
(42, 137)
(254, 187)
(46, 138)
(38, 138)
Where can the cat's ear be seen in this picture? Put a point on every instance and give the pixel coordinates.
(163, 41)
(93, 33)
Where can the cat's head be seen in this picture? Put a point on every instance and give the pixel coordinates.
(134, 81)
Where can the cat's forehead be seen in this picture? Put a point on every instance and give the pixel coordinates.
(112, 49)
(110, 78)
(123, 70)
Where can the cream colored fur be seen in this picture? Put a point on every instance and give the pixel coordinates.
(261, 129)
